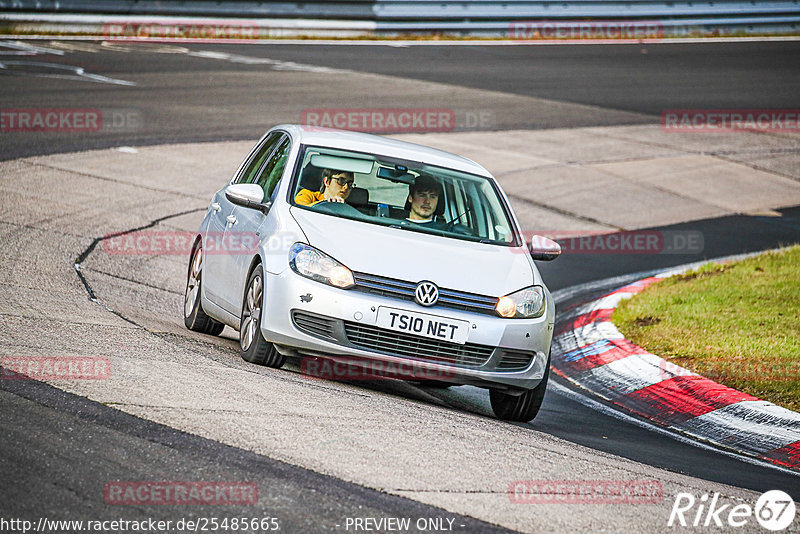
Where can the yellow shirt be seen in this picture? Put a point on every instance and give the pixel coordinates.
(307, 198)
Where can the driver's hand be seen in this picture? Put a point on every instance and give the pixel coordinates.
(336, 199)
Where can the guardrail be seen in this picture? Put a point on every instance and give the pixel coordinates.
(574, 9)
(350, 9)
(673, 27)
(405, 10)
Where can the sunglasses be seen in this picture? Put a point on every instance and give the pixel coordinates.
(344, 181)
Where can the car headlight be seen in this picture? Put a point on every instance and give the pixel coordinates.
(307, 261)
(523, 304)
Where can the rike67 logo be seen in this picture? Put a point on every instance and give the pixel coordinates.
(774, 510)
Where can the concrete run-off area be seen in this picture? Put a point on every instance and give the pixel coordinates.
(629, 177)
(392, 437)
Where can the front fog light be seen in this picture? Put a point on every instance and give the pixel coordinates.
(523, 304)
(307, 261)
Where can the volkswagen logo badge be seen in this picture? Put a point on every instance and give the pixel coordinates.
(426, 293)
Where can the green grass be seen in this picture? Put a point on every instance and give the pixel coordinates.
(735, 323)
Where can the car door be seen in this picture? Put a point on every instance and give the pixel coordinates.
(253, 225)
(215, 278)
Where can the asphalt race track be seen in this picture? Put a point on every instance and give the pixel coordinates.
(202, 92)
(378, 449)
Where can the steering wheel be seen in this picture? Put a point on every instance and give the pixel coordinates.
(336, 208)
(463, 230)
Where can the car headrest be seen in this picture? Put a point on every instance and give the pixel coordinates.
(358, 197)
(311, 178)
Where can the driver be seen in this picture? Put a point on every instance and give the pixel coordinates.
(423, 198)
(338, 186)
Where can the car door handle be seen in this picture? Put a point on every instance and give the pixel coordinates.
(215, 206)
(231, 219)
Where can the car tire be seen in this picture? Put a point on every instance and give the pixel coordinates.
(521, 408)
(194, 317)
(254, 348)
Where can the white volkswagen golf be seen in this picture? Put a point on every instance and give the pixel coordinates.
(343, 246)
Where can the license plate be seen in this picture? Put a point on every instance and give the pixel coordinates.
(423, 324)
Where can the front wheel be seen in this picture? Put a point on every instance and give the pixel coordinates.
(193, 315)
(523, 407)
(255, 349)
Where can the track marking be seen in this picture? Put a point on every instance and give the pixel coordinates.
(30, 49)
(77, 73)
(250, 60)
(91, 48)
(163, 49)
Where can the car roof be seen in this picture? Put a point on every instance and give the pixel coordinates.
(375, 144)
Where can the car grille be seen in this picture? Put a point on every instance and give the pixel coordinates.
(513, 360)
(410, 346)
(315, 325)
(400, 289)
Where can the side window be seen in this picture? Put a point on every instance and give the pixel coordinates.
(251, 169)
(273, 168)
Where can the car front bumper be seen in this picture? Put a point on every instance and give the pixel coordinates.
(314, 319)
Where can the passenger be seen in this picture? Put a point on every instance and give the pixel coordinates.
(423, 198)
(338, 186)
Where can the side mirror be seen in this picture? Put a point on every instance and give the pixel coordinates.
(248, 196)
(544, 249)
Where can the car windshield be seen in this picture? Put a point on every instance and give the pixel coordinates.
(403, 194)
